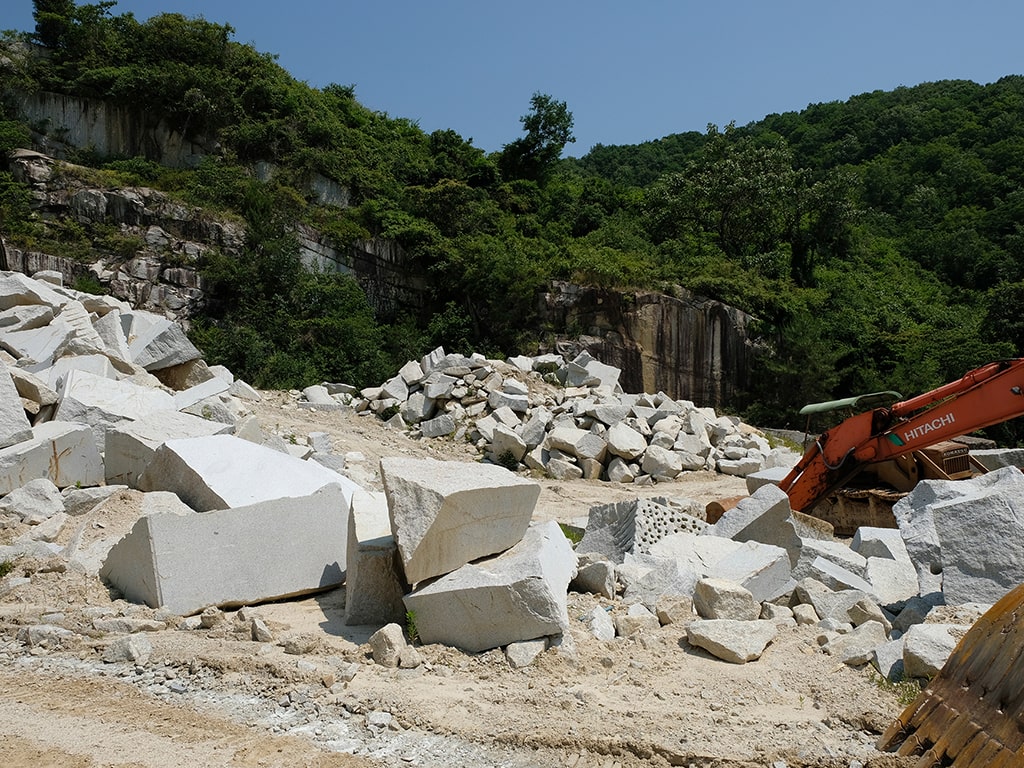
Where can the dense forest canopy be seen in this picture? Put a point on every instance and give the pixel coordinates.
(878, 241)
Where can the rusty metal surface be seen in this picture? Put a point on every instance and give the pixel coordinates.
(972, 714)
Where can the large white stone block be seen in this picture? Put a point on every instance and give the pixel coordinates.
(101, 403)
(373, 586)
(222, 471)
(269, 550)
(14, 426)
(447, 514)
(63, 452)
(162, 344)
(130, 444)
(519, 595)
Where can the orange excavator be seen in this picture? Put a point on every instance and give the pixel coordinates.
(971, 715)
(905, 441)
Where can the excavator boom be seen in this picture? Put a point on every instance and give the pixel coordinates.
(988, 395)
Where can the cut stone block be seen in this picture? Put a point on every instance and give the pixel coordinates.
(270, 550)
(162, 344)
(37, 344)
(762, 569)
(14, 426)
(17, 289)
(519, 595)
(952, 551)
(101, 403)
(767, 476)
(927, 647)
(63, 452)
(199, 392)
(447, 514)
(222, 471)
(98, 365)
(764, 517)
(130, 444)
(373, 587)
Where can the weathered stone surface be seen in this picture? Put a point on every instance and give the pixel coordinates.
(268, 550)
(734, 641)
(14, 426)
(888, 659)
(222, 471)
(596, 576)
(857, 648)
(162, 344)
(130, 444)
(101, 403)
(387, 644)
(521, 654)
(637, 618)
(439, 426)
(373, 587)
(34, 502)
(63, 452)
(674, 609)
(447, 514)
(723, 599)
(519, 595)
(926, 647)
(600, 624)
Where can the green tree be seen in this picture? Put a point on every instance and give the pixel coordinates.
(548, 129)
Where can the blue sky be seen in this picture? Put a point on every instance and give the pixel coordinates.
(629, 72)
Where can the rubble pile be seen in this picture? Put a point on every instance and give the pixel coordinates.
(567, 419)
(100, 399)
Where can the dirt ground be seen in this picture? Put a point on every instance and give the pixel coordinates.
(313, 697)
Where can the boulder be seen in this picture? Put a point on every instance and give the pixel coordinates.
(734, 641)
(926, 647)
(518, 595)
(447, 514)
(101, 403)
(223, 471)
(373, 587)
(14, 425)
(723, 599)
(64, 453)
(130, 444)
(249, 554)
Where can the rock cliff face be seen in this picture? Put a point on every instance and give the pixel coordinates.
(687, 346)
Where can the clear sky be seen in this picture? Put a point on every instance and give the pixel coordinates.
(628, 71)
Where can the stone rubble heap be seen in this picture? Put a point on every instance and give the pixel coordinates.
(119, 399)
(567, 419)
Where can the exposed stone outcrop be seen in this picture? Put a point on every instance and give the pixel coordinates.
(687, 346)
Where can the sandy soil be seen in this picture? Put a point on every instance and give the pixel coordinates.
(313, 697)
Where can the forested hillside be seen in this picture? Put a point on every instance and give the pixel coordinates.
(878, 240)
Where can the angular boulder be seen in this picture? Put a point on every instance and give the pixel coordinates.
(264, 551)
(63, 452)
(373, 587)
(445, 514)
(222, 471)
(519, 595)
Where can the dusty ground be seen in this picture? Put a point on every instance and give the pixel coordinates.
(215, 697)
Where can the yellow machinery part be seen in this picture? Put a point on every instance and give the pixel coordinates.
(972, 714)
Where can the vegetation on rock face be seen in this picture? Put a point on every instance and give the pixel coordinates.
(878, 241)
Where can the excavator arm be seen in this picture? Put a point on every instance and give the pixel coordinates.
(988, 395)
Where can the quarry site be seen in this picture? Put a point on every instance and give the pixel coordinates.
(478, 563)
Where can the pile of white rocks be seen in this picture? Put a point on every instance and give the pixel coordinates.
(567, 419)
(899, 599)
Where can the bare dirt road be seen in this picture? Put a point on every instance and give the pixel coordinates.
(313, 697)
